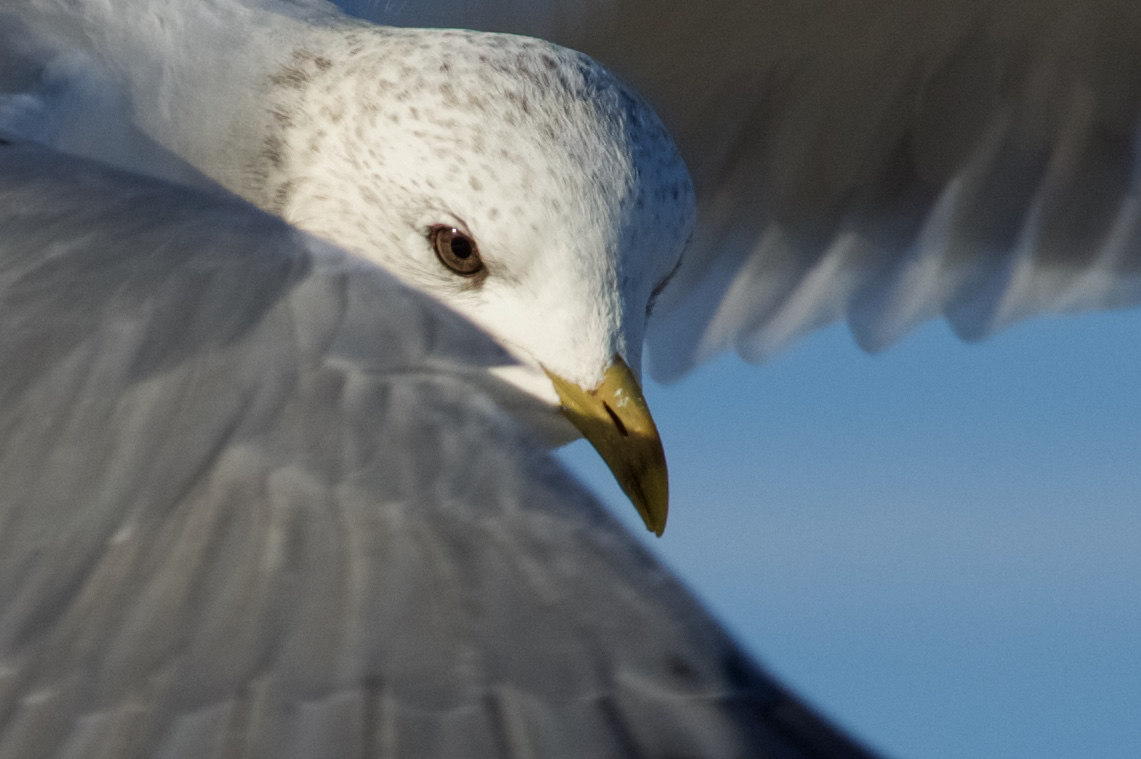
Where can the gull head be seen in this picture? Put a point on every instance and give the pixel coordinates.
(517, 181)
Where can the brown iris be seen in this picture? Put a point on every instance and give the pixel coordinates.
(456, 250)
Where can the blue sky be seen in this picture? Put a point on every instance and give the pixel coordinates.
(939, 546)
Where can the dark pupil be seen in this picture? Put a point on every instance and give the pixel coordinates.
(461, 247)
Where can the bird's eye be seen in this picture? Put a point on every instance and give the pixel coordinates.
(456, 250)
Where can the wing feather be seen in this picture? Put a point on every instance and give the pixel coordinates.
(260, 500)
(879, 161)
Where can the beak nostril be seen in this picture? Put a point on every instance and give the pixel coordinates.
(614, 418)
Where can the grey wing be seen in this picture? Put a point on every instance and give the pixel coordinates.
(259, 500)
(54, 93)
(880, 161)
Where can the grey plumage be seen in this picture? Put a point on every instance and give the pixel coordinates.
(260, 500)
(882, 162)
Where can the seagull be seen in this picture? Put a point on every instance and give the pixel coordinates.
(507, 176)
(278, 119)
(275, 456)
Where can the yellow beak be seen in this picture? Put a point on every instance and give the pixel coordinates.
(615, 419)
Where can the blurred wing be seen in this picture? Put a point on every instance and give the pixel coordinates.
(260, 500)
(55, 93)
(883, 161)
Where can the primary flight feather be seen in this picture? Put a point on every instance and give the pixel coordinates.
(881, 162)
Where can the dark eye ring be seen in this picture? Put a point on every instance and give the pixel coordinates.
(456, 250)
